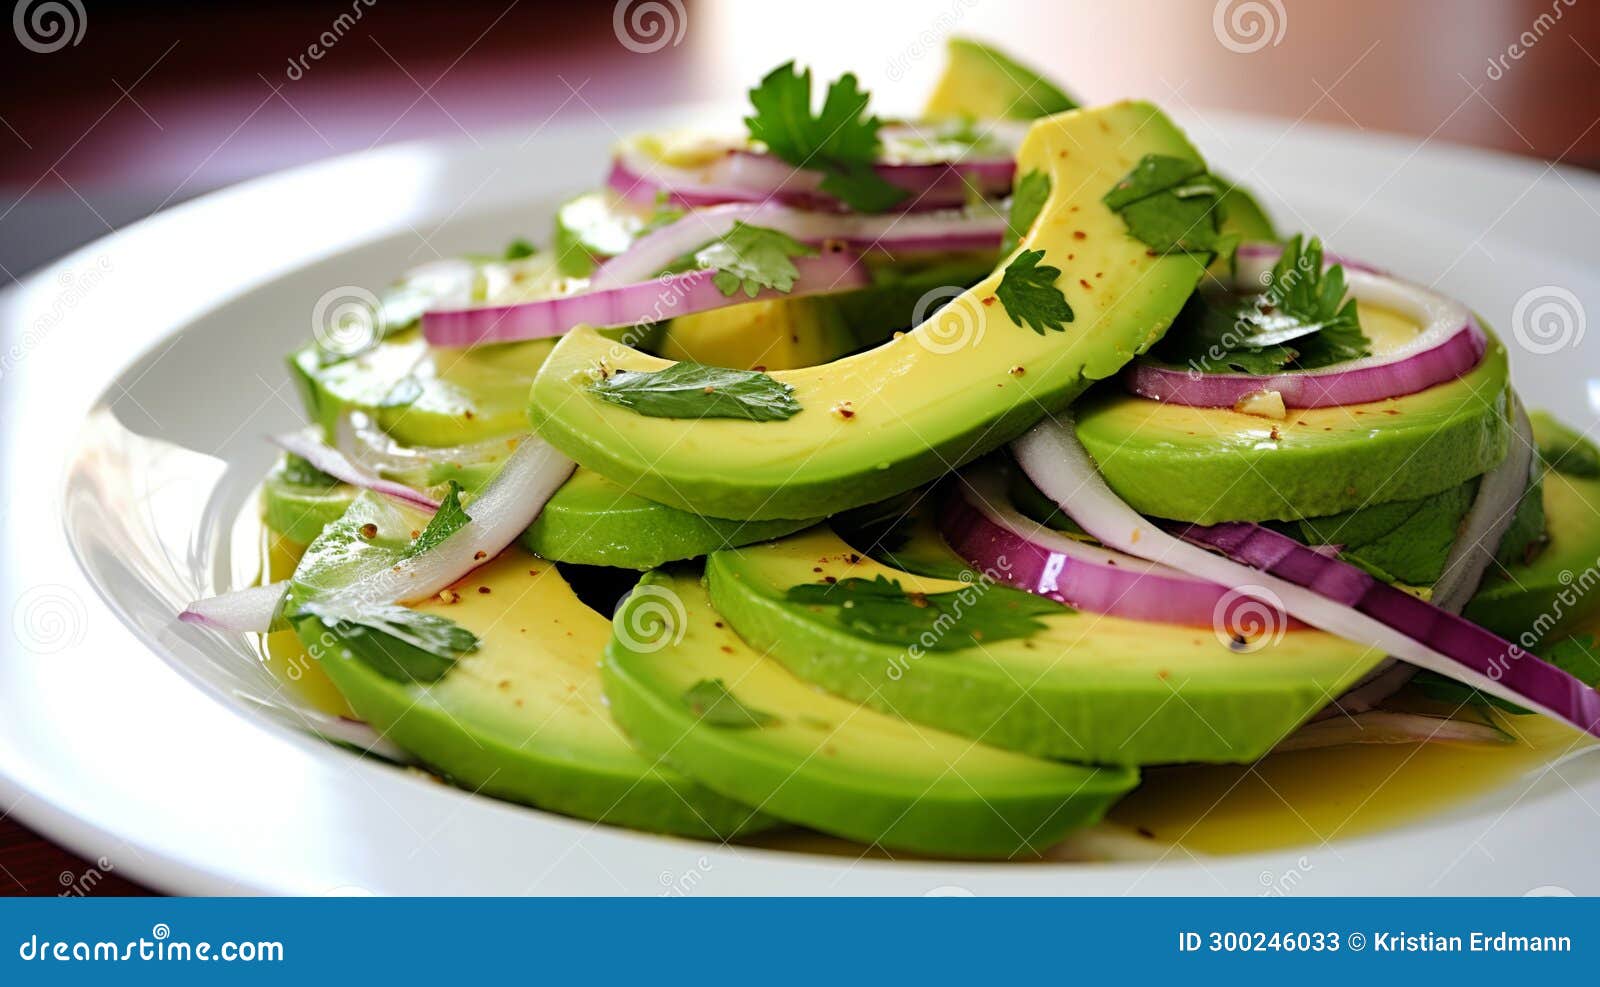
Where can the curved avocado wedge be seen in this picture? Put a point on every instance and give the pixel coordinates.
(1214, 464)
(592, 521)
(743, 725)
(299, 511)
(965, 381)
(522, 717)
(1081, 687)
(985, 84)
(1545, 596)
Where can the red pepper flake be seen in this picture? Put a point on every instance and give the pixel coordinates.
(989, 300)
(449, 596)
(709, 389)
(719, 623)
(727, 649)
(369, 530)
(1276, 435)
(830, 579)
(484, 590)
(479, 555)
(760, 368)
(1079, 235)
(469, 414)
(415, 533)
(1018, 370)
(844, 410)
(816, 568)
(1085, 284)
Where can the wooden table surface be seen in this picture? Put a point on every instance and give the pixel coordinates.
(158, 102)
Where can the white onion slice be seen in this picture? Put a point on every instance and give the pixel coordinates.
(334, 463)
(242, 611)
(1384, 727)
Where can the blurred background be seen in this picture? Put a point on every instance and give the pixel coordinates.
(113, 109)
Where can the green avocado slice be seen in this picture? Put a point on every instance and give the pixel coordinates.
(964, 381)
(1555, 586)
(522, 717)
(983, 83)
(826, 762)
(1084, 687)
(1214, 464)
(300, 511)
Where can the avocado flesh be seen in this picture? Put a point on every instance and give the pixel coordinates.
(831, 764)
(522, 717)
(1087, 688)
(1538, 600)
(299, 512)
(917, 406)
(1208, 465)
(982, 83)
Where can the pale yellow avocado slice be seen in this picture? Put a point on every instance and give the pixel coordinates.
(983, 83)
(961, 383)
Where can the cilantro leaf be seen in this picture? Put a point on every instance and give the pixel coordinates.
(1402, 541)
(519, 249)
(714, 704)
(841, 140)
(879, 609)
(446, 521)
(1028, 197)
(695, 390)
(1029, 294)
(752, 258)
(1566, 450)
(1171, 204)
(396, 642)
(300, 472)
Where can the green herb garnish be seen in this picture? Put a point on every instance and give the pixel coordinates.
(1030, 296)
(520, 249)
(1028, 197)
(841, 140)
(695, 390)
(714, 704)
(1398, 542)
(880, 610)
(446, 521)
(396, 642)
(751, 258)
(1170, 204)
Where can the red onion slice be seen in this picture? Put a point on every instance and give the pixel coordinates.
(332, 462)
(507, 505)
(1326, 593)
(904, 233)
(1450, 344)
(242, 611)
(982, 527)
(630, 304)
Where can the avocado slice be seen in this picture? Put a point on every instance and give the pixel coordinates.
(1084, 687)
(597, 225)
(826, 762)
(965, 381)
(1548, 588)
(1214, 464)
(299, 511)
(522, 717)
(983, 83)
(592, 521)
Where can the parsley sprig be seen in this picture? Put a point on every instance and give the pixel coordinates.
(1030, 296)
(880, 609)
(695, 390)
(840, 140)
(1171, 204)
(750, 258)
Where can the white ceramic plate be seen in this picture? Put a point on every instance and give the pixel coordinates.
(138, 375)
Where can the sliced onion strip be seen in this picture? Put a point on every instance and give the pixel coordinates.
(1326, 593)
(1450, 344)
(242, 611)
(1383, 727)
(333, 462)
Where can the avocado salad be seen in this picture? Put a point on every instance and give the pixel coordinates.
(918, 483)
